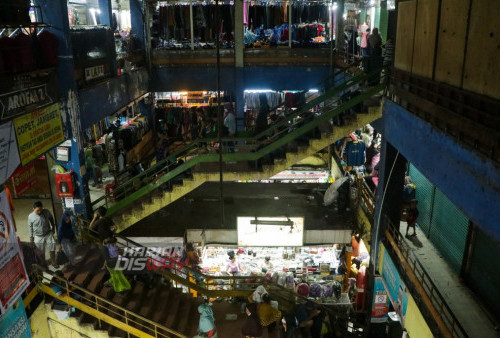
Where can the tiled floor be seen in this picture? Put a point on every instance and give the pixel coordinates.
(461, 300)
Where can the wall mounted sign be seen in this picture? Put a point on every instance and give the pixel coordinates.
(26, 92)
(96, 72)
(38, 132)
(24, 178)
(9, 155)
(14, 277)
(62, 154)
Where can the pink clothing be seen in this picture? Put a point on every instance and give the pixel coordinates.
(375, 160)
(364, 40)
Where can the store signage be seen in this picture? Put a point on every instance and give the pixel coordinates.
(9, 156)
(38, 132)
(96, 72)
(24, 178)
(396, 288)
(320, 175)
(26, 92)
(14, 277)
(14, 323)
(380, 304)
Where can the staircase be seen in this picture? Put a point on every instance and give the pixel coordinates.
(148, 309)
(254, 158)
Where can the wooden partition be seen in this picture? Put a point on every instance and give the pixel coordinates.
(482, 64)
(425, 37)
(405, 33)
(451, 41)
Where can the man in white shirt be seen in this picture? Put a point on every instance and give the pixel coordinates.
(41, 227)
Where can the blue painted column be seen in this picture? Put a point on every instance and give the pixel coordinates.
(389, 194)
(106, 12)
(55, 13)
(137, 19)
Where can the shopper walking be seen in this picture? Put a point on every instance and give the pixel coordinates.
(66, 238)
(206, 326)
(41, 227)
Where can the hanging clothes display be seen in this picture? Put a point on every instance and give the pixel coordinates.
(355, 153)
(174, 25)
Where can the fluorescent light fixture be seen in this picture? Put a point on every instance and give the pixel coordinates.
(256, 221)
(258, 91)
(313, 91)
(276, 198)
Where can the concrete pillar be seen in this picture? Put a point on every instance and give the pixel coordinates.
(239, 97)
(239, 45)
(137, 20)
(339, 29)
(55, 13)
(392, 167)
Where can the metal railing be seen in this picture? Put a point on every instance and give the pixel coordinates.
(269, 142)
(367, 198)
(101, 308)
(447, 323)
(209, 285)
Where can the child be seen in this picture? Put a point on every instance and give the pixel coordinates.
(411, 216)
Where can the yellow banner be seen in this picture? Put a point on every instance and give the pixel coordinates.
(38, 132)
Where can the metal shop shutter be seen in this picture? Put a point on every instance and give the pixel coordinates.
(483, 275)
(425, 196)
(449, 227)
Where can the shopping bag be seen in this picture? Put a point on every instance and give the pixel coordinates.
(61, 258)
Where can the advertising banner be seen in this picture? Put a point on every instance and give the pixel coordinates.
(14, 278)
(14, 323)
(380, 304)
(38, 132)
(395, 286)
(9, 156)
(24, 178)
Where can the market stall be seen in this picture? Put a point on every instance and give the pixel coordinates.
(274, 248)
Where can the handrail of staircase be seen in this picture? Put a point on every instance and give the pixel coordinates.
(325, 84)
(165, 163)
(367, 199)
(448, 324)
(94, 305)
(209, 285)
(260, 149)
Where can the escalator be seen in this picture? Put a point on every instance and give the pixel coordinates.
(302, 133)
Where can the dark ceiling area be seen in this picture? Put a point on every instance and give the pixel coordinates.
(202, 208)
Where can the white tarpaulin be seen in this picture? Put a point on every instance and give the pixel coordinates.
(332, 193)
(9, 154)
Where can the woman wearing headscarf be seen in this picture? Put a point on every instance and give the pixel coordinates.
(207, 320)
(66, 238)
(252, 328)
